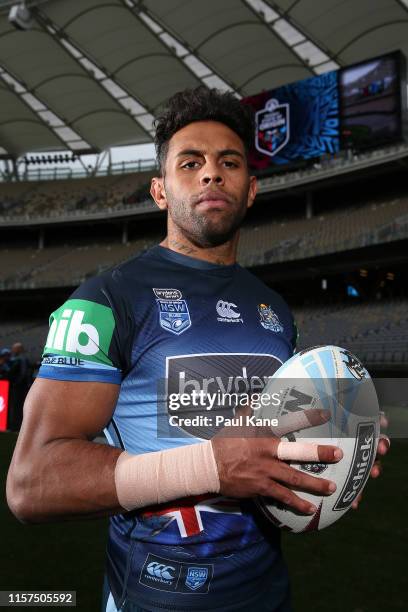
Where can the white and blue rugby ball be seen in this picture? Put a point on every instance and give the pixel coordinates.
(327, 377)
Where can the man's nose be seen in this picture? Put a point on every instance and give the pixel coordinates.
(212, 176)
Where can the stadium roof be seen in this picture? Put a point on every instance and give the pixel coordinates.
(88, 74)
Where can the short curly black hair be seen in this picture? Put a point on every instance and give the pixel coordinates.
(201, 104)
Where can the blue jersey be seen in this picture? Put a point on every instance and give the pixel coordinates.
(166, 327)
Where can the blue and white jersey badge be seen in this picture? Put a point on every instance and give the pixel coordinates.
(269, 318)
(196, 577)
(173, 310)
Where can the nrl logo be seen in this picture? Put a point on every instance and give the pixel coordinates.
(272, 127)
(354, 366)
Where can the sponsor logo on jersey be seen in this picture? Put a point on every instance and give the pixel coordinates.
(174, 315)
(81, 328)
(215, 384)
(169, 575)
(160, 573)
(196, 577)
(227, 313)
(360, 466)
(161, 570)
(269, 318)
(168, 294)
(63, 361)
(354, 366)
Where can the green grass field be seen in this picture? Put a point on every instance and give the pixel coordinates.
(358, 565)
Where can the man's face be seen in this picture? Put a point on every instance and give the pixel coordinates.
(206, 188)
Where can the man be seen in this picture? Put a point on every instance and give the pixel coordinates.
(20, 377)
(5, 355)
(182, 318)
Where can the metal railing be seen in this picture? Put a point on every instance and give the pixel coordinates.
(57, 172)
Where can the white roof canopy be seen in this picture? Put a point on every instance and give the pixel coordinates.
(93, 74)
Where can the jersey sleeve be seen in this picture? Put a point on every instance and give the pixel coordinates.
(83, 342)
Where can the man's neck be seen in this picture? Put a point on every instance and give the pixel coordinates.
(223, 255)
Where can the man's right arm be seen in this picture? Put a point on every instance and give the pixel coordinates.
(56, 471)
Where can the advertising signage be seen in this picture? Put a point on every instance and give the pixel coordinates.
(353, 108)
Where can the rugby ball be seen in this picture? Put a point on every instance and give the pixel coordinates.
(332, 378)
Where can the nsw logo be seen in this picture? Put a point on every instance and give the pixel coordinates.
(272, 127)
(174, 315)
(196, 577)
(227, 313)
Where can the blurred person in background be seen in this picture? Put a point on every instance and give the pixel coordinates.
(20, 377)
(5, 354)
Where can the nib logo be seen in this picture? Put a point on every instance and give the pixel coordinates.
(65, 332)
(81, 327)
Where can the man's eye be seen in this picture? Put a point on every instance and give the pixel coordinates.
(230, 164)
(190, 164)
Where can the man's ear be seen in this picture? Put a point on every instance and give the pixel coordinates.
(253, 188)
(158, 192)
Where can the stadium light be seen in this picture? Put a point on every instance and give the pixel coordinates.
(50, 159)
(20, 17)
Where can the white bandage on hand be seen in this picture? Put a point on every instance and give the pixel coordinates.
(297, 451)
(295, 421)
(154, 478)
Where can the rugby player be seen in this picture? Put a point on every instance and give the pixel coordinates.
(183, 534)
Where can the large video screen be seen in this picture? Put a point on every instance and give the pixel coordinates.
(370, 99)
(296, 121)
(352, 108)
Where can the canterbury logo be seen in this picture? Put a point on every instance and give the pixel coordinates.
(225, 309)
(160, 570)
(65, 334)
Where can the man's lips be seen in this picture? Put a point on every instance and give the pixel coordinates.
(213, 203)
(214, 200)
